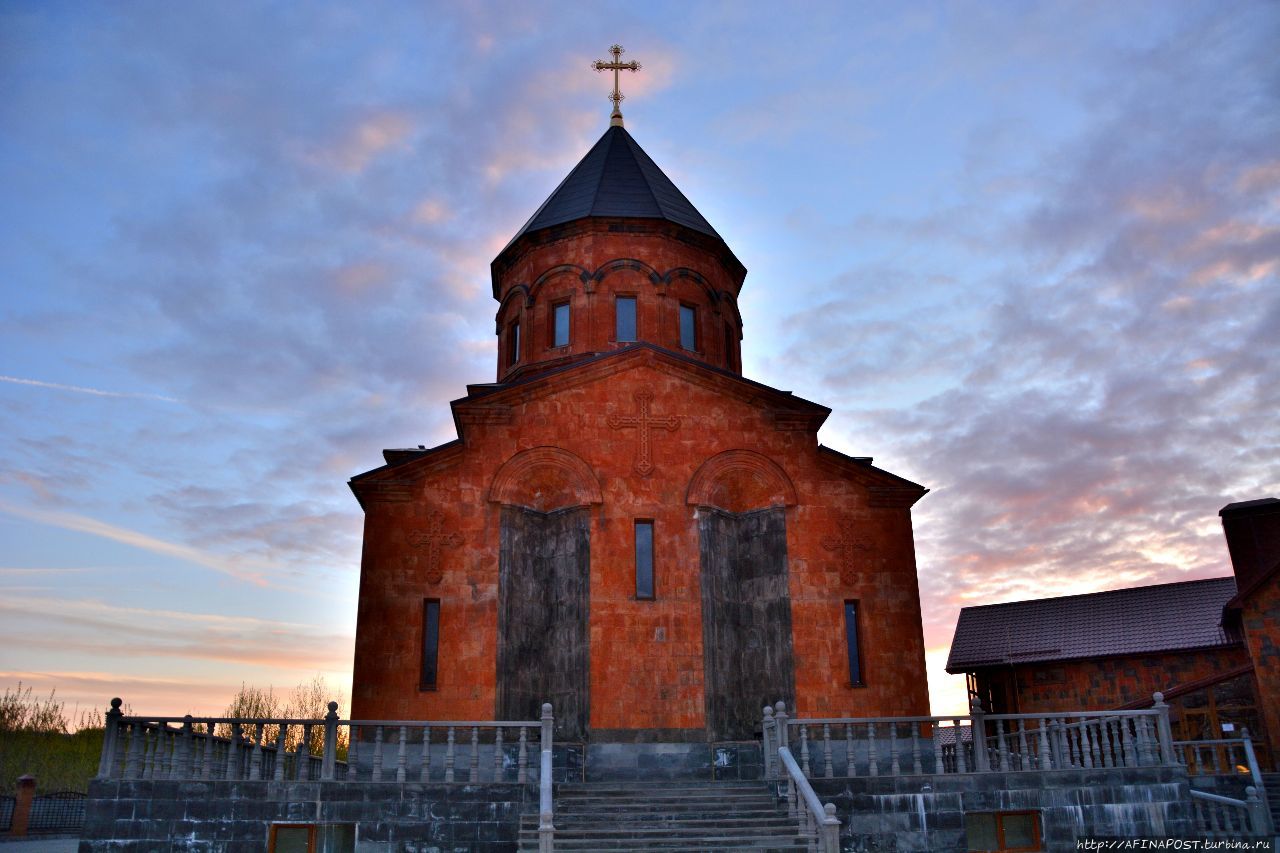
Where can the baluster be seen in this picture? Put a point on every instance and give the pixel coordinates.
(522, 763)
(893, 750)
(302, 755)
(1201, 823)
(448, 757)
(206, 753)
(916, 767)
(1002, 748)
(230, 769)
(1044, 761)
(1095, 748)
(1144, 747)
(1214, 752)
(148, 753)
(497, 754)
(1086, 745)
(873, 751)
(353, 753)
(133, 755)
(828, 770)
(425, 773)
(377, 754)
(961, 765)
(185, 755)
(282, 735)
(1109, 755)
(935, 732)
(1024, 752)
(474, 776)
(255, 757)
(850, 768)
(401, 745)
(1214, 825)
(1126, 744)
(804, 750)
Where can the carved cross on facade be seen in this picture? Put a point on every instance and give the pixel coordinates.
(434, 539)
(845, 547)
(617, 65)
(644, 422)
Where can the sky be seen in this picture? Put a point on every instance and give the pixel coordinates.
(1028, 253)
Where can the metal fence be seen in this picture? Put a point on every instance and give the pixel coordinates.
(61, 811)
(6, 812)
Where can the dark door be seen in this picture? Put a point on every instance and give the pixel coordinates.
(543, 592)
(746, 618)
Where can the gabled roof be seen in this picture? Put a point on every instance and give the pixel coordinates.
(616, 178)
(1141, 620)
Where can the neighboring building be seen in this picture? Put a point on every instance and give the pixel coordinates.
(626, 526)
(1211, 646)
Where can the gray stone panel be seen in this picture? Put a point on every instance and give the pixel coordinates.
(543, 593)
(746, 618)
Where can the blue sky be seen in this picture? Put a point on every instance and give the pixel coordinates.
(1029, 253)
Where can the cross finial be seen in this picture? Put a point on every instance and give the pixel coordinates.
(615, 120)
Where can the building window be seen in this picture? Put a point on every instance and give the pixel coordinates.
(560, 324)
(311, 838)
(644, 559)
(688, 327)
(513, 343)
(624, 308)
(851, 642)
(430, 642)
(1000, 831)
(728, 346)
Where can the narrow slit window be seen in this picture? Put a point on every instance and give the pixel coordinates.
(430, 642)
(513, 343)
(851, 642)
(560, 325)
(688, 327)
(728, 346)
(644, 559)
(625, 311)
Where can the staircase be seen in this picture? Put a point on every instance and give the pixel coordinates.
(677, 817)
(1272, 783)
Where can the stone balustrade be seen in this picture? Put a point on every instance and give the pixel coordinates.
(278, 749)
(973, 743)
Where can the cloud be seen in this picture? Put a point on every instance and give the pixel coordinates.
(240, 570)
(97, 392)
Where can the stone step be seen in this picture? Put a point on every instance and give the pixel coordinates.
(708, 843)
(663, 822)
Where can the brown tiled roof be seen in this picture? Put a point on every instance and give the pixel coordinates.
(1141, 620)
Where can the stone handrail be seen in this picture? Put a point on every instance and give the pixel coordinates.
(973, 743)
(817, 822)
(1224, 817)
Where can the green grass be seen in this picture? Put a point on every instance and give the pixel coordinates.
(60, 762)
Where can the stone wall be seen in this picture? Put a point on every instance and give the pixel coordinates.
(235, 817)
(927, 813)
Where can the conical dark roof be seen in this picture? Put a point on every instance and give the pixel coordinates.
(616, 178)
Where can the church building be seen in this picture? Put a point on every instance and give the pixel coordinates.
(626, 526)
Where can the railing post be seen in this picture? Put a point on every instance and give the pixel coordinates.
(22, 806)
(329, 762)
(978, 729)
(1165, 732)
(1259, 813)
(766, 738)
(546, 826)
(780, 715)
(107, 764)
(830, 829)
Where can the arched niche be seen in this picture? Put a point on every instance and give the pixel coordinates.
(545, 479)
(739, 481)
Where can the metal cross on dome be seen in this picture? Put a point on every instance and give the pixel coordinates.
(615, 120)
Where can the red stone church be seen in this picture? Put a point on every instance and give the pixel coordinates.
(626, 526)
